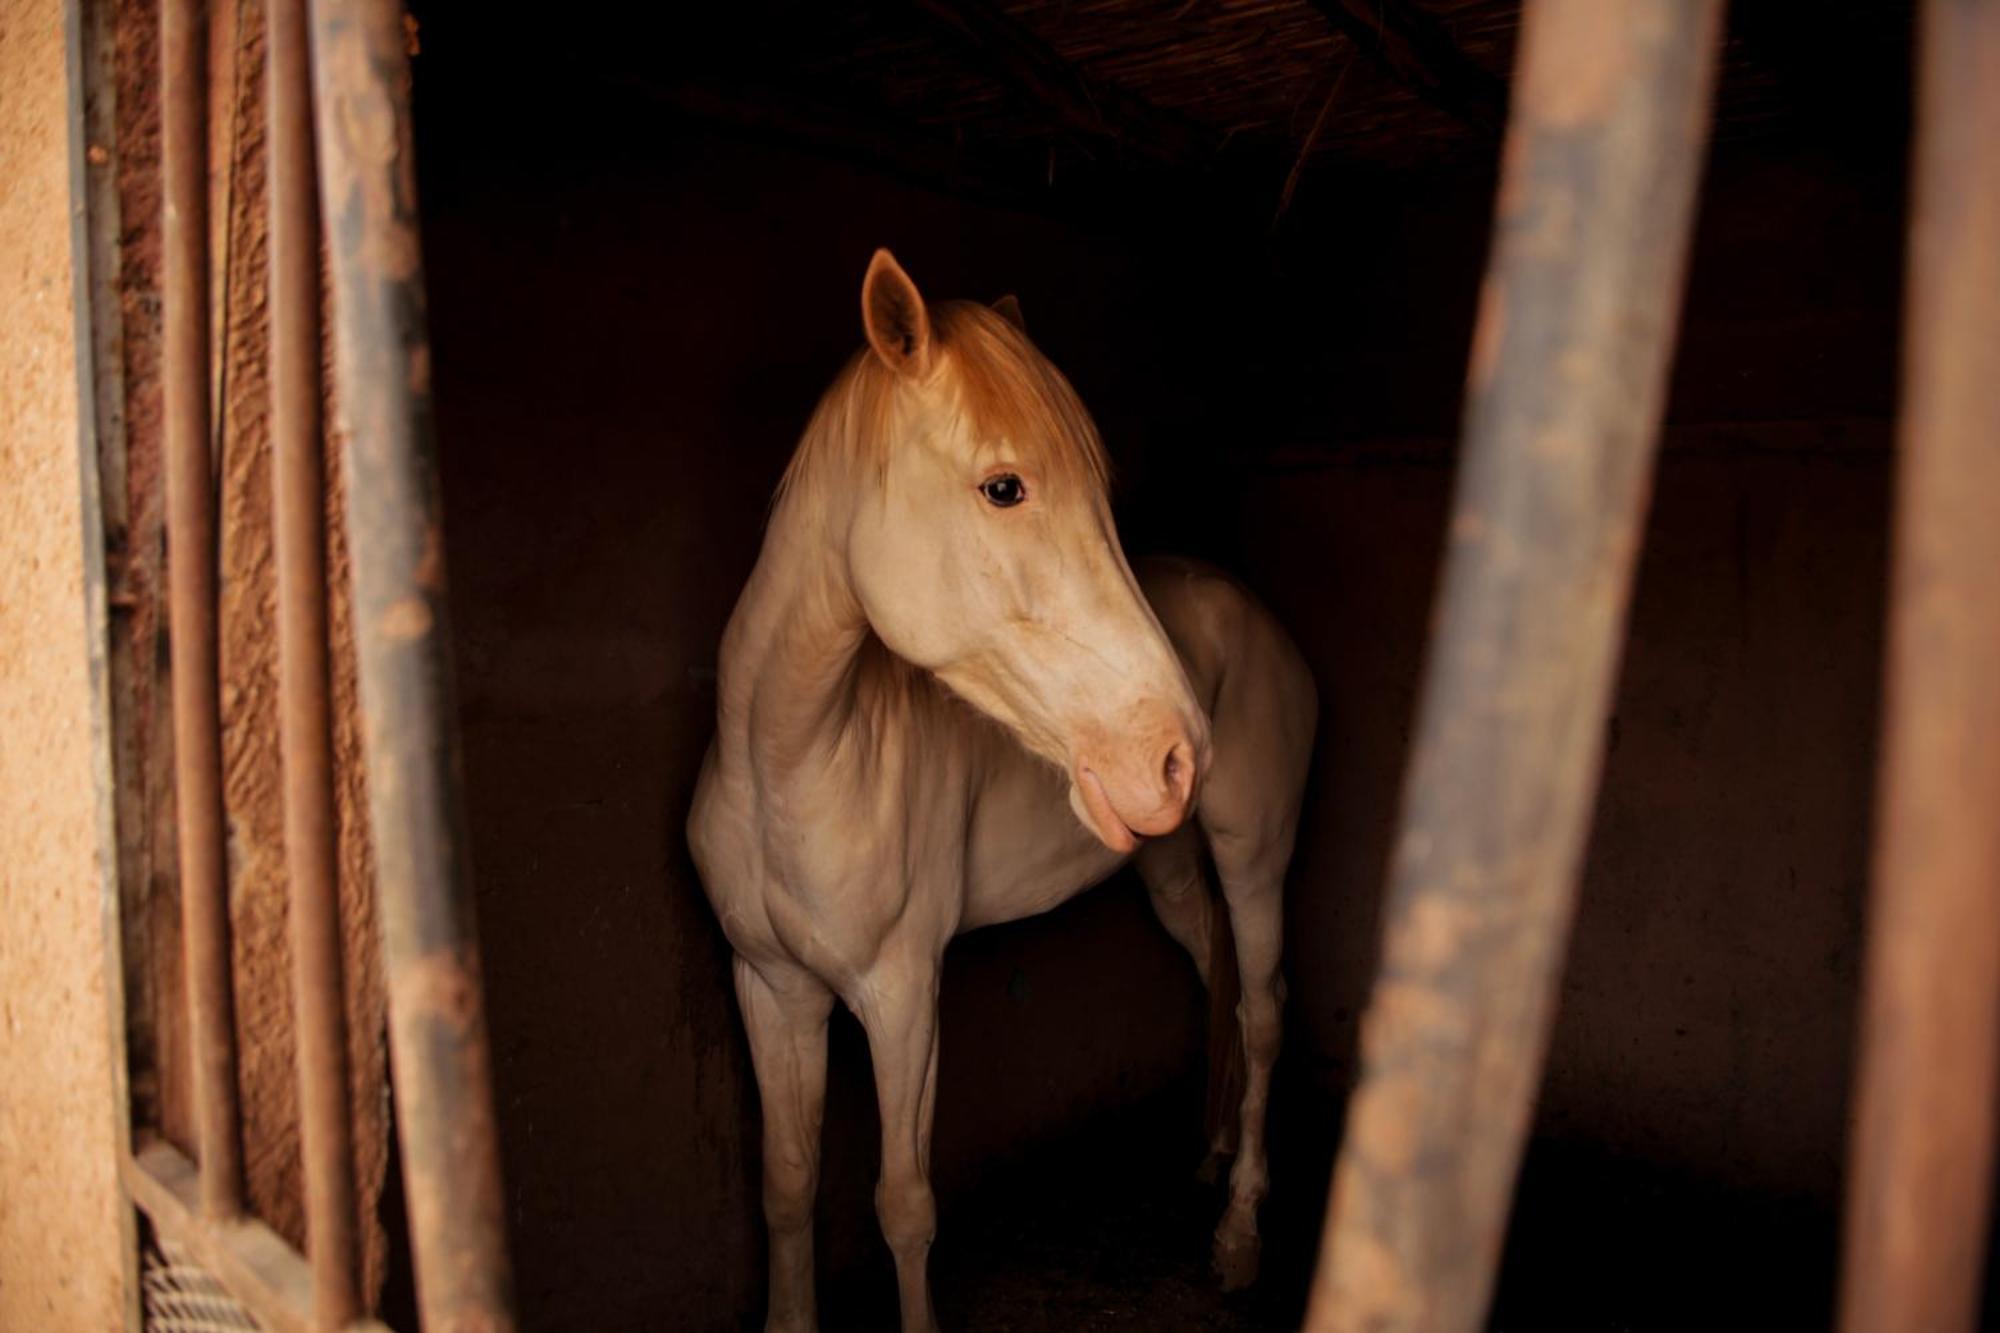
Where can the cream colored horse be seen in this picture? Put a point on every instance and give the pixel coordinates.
(943, 539)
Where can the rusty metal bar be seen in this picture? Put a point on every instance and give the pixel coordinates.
(1567, 380)
(437, 1022)
(1922, 1150)
(299, 510)
(191, 591)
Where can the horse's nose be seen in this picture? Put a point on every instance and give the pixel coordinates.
(1145, 786)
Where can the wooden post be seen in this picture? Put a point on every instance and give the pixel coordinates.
(1922, 1150)
(437, 1013)
(1568, 375)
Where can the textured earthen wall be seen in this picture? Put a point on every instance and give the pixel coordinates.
(60, 1261)
(253, 774)
(1707, 1008)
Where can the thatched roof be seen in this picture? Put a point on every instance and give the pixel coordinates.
(1014, 91)
(1229, 73)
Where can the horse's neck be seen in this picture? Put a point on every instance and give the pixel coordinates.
(788, 678)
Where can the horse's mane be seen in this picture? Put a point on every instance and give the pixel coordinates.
(1006, 389)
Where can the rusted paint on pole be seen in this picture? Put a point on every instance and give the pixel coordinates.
(1923, 1142)
(305, 715)
(437, 1022)
(191, 592)
(1568, 374)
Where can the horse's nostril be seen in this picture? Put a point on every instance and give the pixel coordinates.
(1179, 772)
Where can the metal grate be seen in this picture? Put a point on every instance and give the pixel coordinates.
(183, 1297)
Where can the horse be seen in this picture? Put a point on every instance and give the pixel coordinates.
(945, 700)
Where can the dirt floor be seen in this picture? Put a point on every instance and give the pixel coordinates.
(1109, 1232)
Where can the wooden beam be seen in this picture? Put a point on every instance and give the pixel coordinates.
(1412, 46)
(1095, 111)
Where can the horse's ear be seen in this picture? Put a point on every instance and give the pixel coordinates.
(892, 310)
(1008, 308)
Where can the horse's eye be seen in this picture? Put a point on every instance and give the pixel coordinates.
(1004, 491)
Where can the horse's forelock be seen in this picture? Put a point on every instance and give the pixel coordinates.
(1011, 391)
(1006, 389)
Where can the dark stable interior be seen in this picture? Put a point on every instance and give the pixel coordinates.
(645, 232)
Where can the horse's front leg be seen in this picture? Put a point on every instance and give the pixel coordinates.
(898, 1007)
(1195, 916)
(785, 1010)
(1253, 886)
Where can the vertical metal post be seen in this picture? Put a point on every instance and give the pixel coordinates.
(191, 590)
(437, 1025)
(299, 509)
(1567, 379)
(1922, 1152)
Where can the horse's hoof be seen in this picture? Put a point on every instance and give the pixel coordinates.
(1213, 1167)
(1236, 1260)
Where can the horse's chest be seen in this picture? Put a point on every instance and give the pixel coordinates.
(851, 870)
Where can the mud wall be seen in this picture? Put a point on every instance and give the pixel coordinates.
(1707, 1011)
(60, 1238)
(1707, 1008)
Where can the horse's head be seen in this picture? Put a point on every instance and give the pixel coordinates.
(985, 552)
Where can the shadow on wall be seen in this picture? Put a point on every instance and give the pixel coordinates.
(1707, 1005)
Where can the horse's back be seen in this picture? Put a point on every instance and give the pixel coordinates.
(1224, 635)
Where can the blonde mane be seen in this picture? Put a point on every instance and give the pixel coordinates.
(1005, 389)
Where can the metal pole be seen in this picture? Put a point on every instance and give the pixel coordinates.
(191, 590)
(1567, 379)
(311, 855)
(437, 1028)
(1922, 1151)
